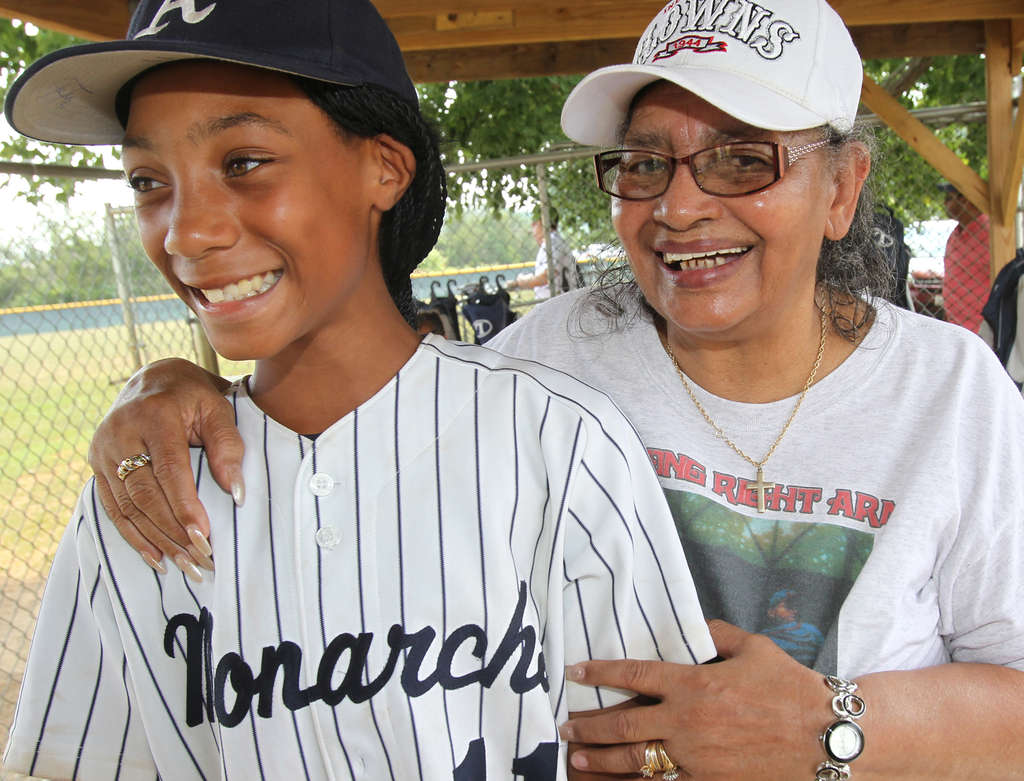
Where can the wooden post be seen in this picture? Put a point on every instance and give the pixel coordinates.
(123, 289)
(1002, 186)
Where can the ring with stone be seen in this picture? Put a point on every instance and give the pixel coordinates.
(130, 464)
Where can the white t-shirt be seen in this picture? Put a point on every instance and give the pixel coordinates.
(397, 598)
(895, 536)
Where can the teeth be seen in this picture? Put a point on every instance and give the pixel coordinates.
(702, 260)
(243, 288)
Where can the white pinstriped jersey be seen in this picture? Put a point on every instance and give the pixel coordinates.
(396, 599)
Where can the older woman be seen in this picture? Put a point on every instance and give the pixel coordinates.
(844, 475)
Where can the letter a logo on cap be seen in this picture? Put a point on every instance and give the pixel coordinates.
(188, 13)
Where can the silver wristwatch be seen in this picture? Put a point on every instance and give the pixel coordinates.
(843, 740)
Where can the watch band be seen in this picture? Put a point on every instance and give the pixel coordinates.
(843, 740)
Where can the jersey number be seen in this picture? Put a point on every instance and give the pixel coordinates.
(539, 765)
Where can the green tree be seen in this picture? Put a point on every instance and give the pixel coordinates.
(902, 178)
(20, 45)
(65, 259)
(486, 120)
(473, 238)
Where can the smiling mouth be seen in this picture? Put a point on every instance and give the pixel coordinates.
(679, 261)
(243, 288)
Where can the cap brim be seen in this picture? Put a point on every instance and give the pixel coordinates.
(595, 110)
(69, 96)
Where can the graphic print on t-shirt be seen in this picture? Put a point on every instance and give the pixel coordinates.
(800, 573)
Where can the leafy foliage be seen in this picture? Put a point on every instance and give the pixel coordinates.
(66, 258)
(902, 178)
(20, 45)
(471, 239)
(486, 120)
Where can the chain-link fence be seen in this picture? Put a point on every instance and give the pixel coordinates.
(81, 308)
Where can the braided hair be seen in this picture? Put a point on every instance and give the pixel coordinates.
(409, 230)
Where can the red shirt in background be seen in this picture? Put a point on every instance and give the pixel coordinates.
(967, 277)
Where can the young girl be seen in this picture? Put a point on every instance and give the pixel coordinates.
(432, 531)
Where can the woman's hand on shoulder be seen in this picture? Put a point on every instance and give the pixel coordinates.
(756, 714)
(165, 407)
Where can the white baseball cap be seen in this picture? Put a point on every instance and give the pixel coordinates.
(777, 65)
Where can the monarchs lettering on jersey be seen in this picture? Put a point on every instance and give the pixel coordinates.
(207, 683)
(189, 15)
(684, 24)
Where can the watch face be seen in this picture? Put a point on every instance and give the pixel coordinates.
(843, 741)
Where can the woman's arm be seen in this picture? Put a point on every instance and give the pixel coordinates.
(165, 407)
(759, 714)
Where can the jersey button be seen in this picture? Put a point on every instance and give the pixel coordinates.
(321, 484)
(327, 537)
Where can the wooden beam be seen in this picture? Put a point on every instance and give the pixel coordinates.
(926, 143)
(854, 12)
(858, 12)
(517, 60)
(571, 57)
(919, 40)
(94, 20)
(531, 24)
(1002, 184)
(1016, 41)
(422, 25)
(1014, 168)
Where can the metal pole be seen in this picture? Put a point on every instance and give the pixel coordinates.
(123, 290)
(554, 274)
(206, 356)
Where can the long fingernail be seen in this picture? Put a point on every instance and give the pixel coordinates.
(197, 556)
(191, 570)
(199, 540)
(154, 563)
(238, 491)
(579, 761)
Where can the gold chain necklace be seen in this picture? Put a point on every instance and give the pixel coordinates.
(759, 486)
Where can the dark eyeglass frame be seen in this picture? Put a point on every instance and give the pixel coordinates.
(783, 157)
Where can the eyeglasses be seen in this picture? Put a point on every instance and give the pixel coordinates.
(729, 170)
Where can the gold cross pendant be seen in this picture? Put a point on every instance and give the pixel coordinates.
(760, 487)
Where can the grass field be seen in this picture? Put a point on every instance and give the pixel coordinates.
(54, 389)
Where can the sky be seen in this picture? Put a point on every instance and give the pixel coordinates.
(17, 215)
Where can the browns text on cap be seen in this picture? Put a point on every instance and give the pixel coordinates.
(778, 65)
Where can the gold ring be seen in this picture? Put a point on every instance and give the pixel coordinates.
(130, 464)
(657, 761)
(651, 761)
(667, 765)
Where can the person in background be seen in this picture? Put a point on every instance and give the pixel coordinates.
(810, 436)
(967, 278)
(564, 262)
(433, 530)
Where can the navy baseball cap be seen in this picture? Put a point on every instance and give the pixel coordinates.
(70, 96)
